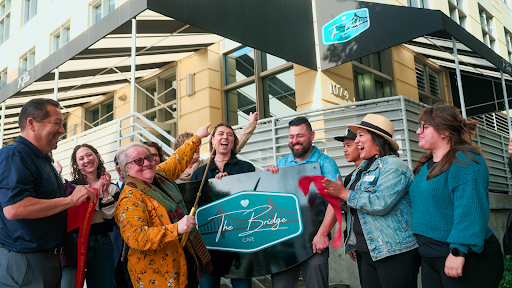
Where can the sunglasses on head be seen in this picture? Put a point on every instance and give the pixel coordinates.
(140, 161)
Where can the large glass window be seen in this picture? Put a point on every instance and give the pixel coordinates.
(372, 76)
(5, 20)
(486, 22)
(256, 81)
(60, 37)
(100, 114)
(100, 9)
(508, 37)
(29, 10)
(458, 12)
(27, 61)
(239, 65)
(3, 78)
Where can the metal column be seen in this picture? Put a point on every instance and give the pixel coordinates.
(2, 126)
(132, 81)
(56, 88)
(459, 80)
(506, 103)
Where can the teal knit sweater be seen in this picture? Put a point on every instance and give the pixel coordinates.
(454, 206)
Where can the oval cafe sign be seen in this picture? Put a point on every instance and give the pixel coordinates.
(249, 221)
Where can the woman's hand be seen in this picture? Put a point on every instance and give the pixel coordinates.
(336, 188)
(220, 175)
(253, 118)
(59, 167)
(186, 224)
(453, 266)
(203, 131)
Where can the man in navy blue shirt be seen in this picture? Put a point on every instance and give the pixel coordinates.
(315, 269)
(34, 207)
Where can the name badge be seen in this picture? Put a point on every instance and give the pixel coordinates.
(368, 178)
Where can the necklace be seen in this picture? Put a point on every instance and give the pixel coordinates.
(220, 160)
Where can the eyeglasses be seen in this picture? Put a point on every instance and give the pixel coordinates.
(140, 161)
(421, 126)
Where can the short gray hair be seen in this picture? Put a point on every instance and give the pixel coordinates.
(122, 154)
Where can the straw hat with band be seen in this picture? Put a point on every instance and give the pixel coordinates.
(348, 135)
(378, 124)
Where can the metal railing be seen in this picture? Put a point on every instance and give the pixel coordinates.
(270, 140)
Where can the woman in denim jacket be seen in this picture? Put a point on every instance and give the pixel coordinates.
(379, 224)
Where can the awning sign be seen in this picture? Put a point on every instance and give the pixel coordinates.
(249, 221)
(346, 26)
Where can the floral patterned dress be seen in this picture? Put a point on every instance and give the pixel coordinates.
(155, 257)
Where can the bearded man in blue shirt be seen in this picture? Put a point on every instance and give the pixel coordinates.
(315, 269)
(33, 217)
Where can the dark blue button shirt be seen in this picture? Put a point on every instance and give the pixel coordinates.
(26, 172)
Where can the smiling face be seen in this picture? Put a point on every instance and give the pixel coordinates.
(86, 160)
(351, 151)
(156, 158)
(145, 172)
(300, 140)
(47, 133)
(224, 139)
(367, 147)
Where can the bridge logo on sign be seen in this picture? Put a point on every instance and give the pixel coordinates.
(346, 26)
(249, 221)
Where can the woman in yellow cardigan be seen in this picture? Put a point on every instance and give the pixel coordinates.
(152, 217)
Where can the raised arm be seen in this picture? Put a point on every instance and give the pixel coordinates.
(246, 133)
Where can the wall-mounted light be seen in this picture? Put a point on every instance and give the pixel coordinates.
(122, 97)
(190, 85)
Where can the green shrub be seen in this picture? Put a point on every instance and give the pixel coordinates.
(506, 281)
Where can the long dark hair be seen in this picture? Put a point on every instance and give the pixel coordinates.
(446, 120)
(235, 142)
(385, 148)
(78, 177)
(158, 148)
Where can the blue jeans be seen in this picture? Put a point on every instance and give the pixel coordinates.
(211, 281)
(100, 262)
(68, 277)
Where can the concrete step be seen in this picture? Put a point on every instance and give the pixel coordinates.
(265, 281)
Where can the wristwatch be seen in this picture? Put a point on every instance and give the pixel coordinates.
(456, 252)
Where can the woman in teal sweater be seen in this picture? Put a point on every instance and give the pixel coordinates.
(450, 205)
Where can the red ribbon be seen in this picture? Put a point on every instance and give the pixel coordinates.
(81, 216)
(305, 182)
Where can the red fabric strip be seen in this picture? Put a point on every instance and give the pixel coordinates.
(305, 182)
(81, 216)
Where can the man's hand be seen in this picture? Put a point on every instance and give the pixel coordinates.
(272, 169)
(253, 118)
(186, 224)
(453, 266)
(352, 255)
(220, 175)
(320, 243)
(82, 193)
(203, 131)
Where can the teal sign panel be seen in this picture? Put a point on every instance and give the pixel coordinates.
(249, 221)
(346, 26)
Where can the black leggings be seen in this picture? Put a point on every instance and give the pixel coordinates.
(396, 271)
(481, 270)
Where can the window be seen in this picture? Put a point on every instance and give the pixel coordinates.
(5, 20)
(256, 81)
(27, 61)
(100, 114)
(486, 21)
(60, 37)
(508, 37)
(430, 84)
(3, 78)
(458, 12)
(372, 76)
(101, 8)
(419, 3)
(507, 2)
(29, 10)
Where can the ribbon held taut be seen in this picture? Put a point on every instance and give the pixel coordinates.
(305, 182)
(81, 216)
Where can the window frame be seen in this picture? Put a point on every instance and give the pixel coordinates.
(488, 34)
(3, 78)
(385, 76)
(29, 55)
(430, 69)
(458, 12)
(105, 10)
(32, 11)
(59, 32)
(5, 17)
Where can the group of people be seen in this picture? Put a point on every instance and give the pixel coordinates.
(433, 218)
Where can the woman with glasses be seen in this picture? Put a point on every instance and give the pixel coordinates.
(152, 217)
(87, 168)
(379, 217)
(450, 204)
(223, 163)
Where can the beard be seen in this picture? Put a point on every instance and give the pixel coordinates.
(306, 147)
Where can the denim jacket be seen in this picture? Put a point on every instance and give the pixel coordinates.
(382, 201)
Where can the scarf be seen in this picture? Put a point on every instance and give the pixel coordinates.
(173, 202)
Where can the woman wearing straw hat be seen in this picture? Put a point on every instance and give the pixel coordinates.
(379, 224)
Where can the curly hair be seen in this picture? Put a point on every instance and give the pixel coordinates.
(181, 139)
(158, 149)
(78, 177)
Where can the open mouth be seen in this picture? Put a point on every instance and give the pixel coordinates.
(224, 144)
